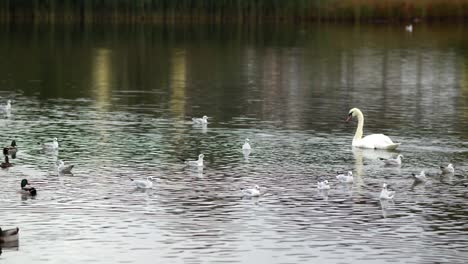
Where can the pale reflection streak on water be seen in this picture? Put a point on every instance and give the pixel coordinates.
(290, 103)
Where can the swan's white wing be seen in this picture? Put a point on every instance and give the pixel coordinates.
(379, 141)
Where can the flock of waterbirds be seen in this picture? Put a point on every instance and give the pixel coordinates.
(373, 141)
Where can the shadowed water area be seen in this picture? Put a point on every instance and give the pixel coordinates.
(120, 101)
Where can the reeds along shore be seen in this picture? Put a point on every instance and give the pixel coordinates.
(220, 11)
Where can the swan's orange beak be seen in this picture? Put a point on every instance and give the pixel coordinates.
(349, 118)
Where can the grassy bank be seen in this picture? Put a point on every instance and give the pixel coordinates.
(219, 11)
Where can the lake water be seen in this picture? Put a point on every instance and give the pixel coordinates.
(120, 100)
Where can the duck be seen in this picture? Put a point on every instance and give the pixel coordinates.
(420, 178)
(323, 185)
(200, 121)
(246, 145)
(374, 141)
(12, 149)
(6, 107)
(409, 28)
(386, 194)
(9, 235)
(195, 163)
(143, 184)
(62, 168)
(449, 169)
(6, 164)
(393, 162)
(251, 192)
(346, 178)
(51, 145)
(27, 190)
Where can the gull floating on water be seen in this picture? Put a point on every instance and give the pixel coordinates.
(195, 163)
(421, 177)
(447, 169)
(51, 145)
(246, 145)
(143, 184)
(393, 162)
(6, 107)
(251, 192)
(323, 185)
(347, 178)
(409, 28)
(200, 121)
(62, 168)
(386, 194)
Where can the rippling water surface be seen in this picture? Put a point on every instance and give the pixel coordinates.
(120, 101)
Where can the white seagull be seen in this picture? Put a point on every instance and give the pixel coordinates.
(393, 162)
(62, 168)
(346, 178)
(143, 184)
(200, 121)
(421, 177)
(51, 145)
(195, 163)
(409, 28)
(447, 169)
(251, 192)
(6, 107)
(386, 194)
(323, 185)
(246, 145)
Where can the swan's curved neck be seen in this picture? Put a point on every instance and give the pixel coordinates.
(359, 129)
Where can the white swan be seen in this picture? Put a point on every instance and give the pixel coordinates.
(447, 169)
(143, 184)
(346, 178)
(420, 178)
(323, 185)
(393, 162)
(374, 141)
(251, 192)
(246, 145)
(200, 121)
(386, 194)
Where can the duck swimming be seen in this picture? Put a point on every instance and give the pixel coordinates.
(27, 190)
(9, 235)
(195, 163)
(12, 149)
(323, 185)
(7, 163)
(374, 141)
(143, 184)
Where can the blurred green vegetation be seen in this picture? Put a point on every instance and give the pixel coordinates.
(222, 11)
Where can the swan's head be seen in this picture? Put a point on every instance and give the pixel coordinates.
(350, 173)
(400, 156)
(352, 113)
(247, 140)
(384, 186)
(257, 187)
(325, 181)
(55, 139)
(205, 117)
(8, 102)
(450, 166)
(150, 178)
(201, 156)
(60, 162)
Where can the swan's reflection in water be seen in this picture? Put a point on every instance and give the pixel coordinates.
(386, 207)
(246, 153)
